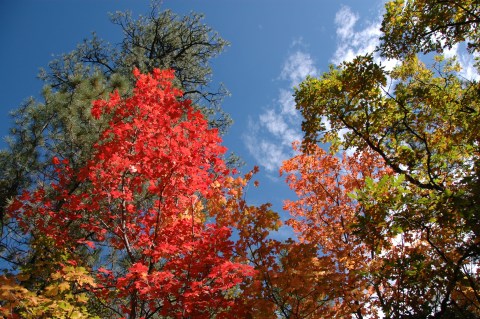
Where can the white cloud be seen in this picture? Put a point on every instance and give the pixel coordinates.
(469, 71)
(450, 53)
(345, 19)
(298, 42)
(270, 135)
(297, 67)
(276, 124)
(266, 152)
(287, 103)
(466, 61)
(352, 41)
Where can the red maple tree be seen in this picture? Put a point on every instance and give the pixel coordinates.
(140, 204)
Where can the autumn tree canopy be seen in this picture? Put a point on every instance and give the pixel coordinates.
(396, 222)
(141, 209)
(130, 200)
(93, 70)
(61, 125)
(429, 25)
(127, 209)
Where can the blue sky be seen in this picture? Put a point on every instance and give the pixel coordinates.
(274, 45)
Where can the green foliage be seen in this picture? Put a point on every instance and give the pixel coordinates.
(425, 128)
(411, 26)
(419, 225)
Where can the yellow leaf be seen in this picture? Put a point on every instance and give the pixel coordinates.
(63, 286)
(51, 291)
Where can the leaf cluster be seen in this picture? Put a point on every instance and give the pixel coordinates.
(405, 239)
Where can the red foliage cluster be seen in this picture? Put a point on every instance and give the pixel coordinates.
(141, 197)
